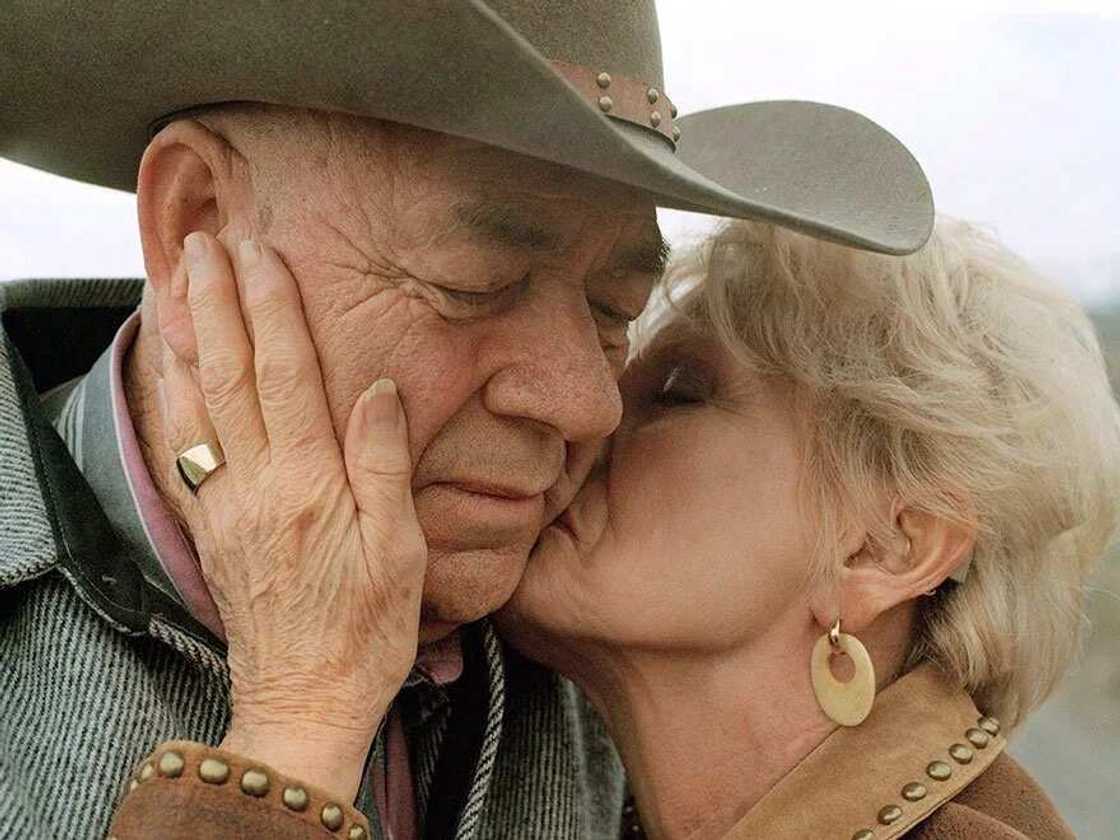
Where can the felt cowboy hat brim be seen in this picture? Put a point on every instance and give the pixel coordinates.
(576, 82)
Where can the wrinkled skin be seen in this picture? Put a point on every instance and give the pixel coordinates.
(506, 354)
(494, 290)
(320, 647)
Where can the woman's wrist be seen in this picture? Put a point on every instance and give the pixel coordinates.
(331, 758)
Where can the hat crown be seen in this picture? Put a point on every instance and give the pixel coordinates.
(619, 37)
(567, 81)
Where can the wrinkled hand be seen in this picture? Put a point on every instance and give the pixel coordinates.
(313, 556)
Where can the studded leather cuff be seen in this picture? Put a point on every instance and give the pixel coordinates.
(189, 790)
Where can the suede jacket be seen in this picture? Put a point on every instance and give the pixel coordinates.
(926, 765)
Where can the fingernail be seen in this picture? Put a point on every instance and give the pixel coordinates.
(248, 252)
(383, 401)
(194, 249)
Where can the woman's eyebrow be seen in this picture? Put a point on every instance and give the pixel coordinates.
(650, 256)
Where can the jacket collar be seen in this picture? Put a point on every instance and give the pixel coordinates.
(878, 780)
(36, 318)
(49, 516)
(27, 543)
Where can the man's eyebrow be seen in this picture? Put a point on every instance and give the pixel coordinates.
(506, 226)
(651, 256)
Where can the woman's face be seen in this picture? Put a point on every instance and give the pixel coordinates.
(690, 536)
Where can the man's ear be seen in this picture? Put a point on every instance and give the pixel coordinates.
(184, 185)
(927, 550)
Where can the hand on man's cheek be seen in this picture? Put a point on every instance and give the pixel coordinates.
(503, 327)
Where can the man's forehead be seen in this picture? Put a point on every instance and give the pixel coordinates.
(496, 173)
(470, 161)
(533, 226)
(491, 197)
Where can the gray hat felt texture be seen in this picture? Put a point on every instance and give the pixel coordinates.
(576, 82)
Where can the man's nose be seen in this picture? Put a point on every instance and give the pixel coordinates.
(558, 375)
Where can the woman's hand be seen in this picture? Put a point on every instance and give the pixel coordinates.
(313, 555)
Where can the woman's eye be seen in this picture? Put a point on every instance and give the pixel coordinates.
(682, 386)
(616, 317)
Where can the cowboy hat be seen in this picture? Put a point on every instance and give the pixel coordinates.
(576, 82)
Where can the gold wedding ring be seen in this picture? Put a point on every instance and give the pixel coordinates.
(198, 463)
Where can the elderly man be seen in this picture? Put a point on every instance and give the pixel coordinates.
(464, 195)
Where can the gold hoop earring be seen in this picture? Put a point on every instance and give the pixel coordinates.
(847, 703)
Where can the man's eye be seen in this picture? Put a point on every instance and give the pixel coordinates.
(488, 299)
(469, 297)
(682, 387)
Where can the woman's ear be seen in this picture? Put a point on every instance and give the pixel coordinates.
(927, 550)
(185, 182)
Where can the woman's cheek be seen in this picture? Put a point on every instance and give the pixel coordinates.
(650, 483)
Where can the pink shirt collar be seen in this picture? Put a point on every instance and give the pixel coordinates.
(168, 542)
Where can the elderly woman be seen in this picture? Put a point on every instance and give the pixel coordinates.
(836, 551)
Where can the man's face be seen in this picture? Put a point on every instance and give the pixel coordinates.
(496, 290)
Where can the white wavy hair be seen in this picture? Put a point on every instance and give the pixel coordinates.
(957, 380)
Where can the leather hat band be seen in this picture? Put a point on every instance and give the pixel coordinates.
(623, 98)
(620, 97)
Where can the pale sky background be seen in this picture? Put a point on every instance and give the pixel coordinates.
(1013, 109)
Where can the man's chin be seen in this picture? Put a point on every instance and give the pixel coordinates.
(464, 586)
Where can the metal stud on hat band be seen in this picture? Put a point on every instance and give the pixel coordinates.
(198, 463)
(624, 98)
